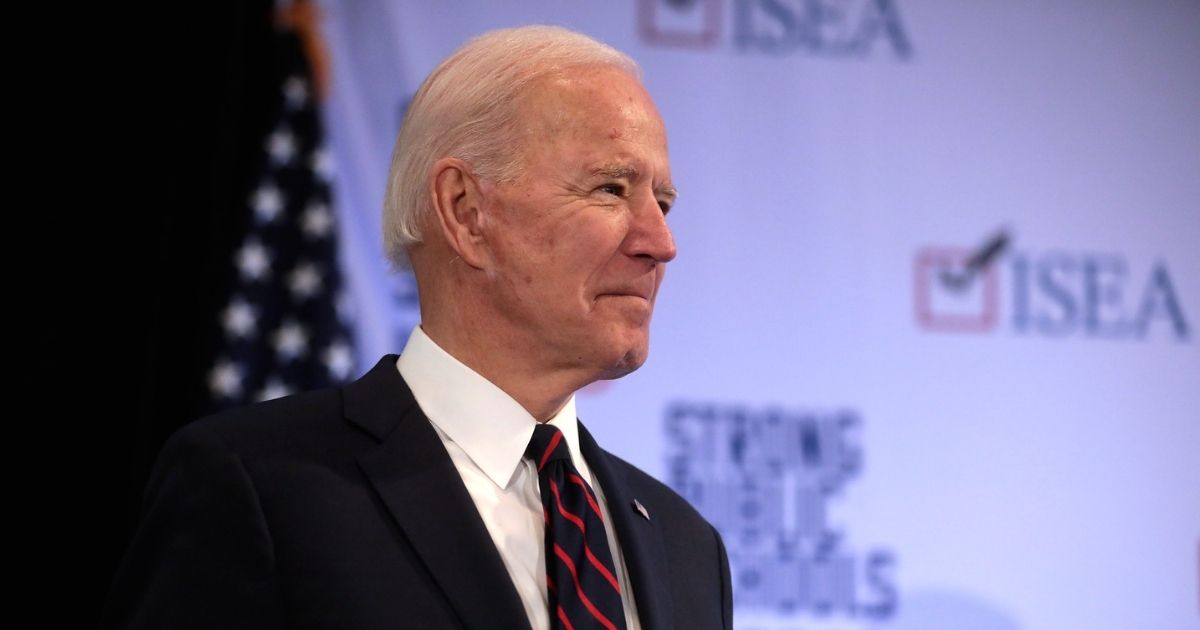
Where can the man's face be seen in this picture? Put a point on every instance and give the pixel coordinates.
(580, 241)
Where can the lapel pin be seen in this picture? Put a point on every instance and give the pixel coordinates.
(641, 509)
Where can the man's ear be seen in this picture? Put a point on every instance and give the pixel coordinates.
(458, 205)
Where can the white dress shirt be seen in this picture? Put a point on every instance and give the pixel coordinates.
(485, 432)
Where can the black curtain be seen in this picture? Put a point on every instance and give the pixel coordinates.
(135, 272)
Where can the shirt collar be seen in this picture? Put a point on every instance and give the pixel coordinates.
(490, 427)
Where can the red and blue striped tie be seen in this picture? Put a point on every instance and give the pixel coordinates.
(580, 573)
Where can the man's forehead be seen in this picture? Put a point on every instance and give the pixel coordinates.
(599, 122)
(574, 95)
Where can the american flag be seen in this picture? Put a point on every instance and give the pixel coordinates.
(282, 331)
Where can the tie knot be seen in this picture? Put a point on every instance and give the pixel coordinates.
(547, 444)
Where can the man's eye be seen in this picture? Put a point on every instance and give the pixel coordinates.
(613, 189)
(665, 206)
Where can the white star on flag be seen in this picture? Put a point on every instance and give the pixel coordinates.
(295, 90)
(281, 146)
(339, 359)
(290, 340)
(225, 379)
(317, 220)
(254, 261)
(239, 319)
(272, 390)
(322, 163)
(267, 202)
(304, 281)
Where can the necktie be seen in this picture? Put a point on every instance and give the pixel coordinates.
(580, 574)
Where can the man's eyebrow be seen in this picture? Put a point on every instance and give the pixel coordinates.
(629, 171)
(616, 171)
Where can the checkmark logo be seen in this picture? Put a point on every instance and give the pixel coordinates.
(680, 23)
(957, 289)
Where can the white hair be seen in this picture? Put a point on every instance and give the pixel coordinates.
(467, 108)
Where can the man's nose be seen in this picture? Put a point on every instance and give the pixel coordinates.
(650, 235)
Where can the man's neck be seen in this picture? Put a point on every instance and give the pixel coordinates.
(540, 391)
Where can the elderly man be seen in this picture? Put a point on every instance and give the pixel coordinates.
(452, 486)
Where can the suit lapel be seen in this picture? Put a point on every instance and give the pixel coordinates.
(424, 493)
(640, 537)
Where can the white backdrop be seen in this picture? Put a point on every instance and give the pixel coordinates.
(894, 424)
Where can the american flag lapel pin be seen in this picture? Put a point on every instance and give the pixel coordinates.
(641, 509)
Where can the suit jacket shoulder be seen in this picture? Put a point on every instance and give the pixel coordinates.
(337, 508)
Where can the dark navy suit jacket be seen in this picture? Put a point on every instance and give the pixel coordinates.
(340, 508)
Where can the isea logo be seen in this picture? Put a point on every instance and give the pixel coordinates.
(829, 28)
(1051, 293)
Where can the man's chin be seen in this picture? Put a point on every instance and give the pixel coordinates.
(626, 363)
